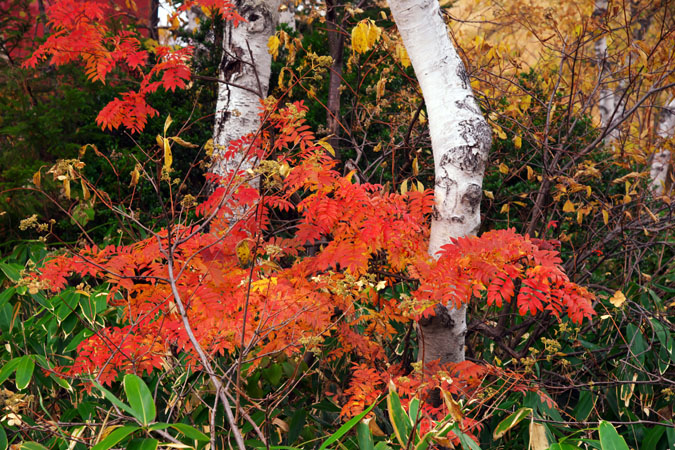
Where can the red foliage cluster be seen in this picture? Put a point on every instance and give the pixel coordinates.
(244, 290)
(81, 30)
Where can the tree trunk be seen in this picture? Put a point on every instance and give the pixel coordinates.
(245, 73)
(460, 140)
(608, 98)
(336, 44)
(660, 164)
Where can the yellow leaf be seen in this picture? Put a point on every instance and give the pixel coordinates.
(66, 187)
(379, 89)
(568, 206)
(580, 216)
(378, 147)
(503, 168)
(605, 216)
(182, 142)
(489, 195)
(85, 191)
(505, 208)
(415, 166)
(530, 172)
(167, 123)
(453, 407)
(135, 176)
(420, 186)
(404, 187)
(617, 299)
(168, 156)
(329, 148)
(37, 179)
(281, 424)
(517, 141)
(402, 55)
(374, 428)
(364, 35)
(538, 439)
(273, 46)
(243, 251)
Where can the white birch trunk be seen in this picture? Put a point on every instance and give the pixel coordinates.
(608, 99)
(246, 65)
(460, 140)
(658, 171)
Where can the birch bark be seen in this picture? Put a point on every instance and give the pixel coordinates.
(245, 72)
(660, 164)
(460, 139)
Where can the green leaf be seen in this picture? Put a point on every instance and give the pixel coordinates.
(464, 439)
(88, 307)
(6, 295)
(609, 437)
(344, 429)
(114, 400)
(584, 405)
(31, 446)
(398, 417)
(273, 374)
(12, 271)
(3, 439)
(115, 436)
(563, 446)
(140, 399)
(8, 368)
(364, 436)
(652, 438)
(510, 422)
(148, 444)
(183, 428)
(24, 372)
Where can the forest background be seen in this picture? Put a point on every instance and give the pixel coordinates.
(282, 303)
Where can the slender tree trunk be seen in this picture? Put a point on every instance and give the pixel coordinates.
(608, 98)
(660, 164)
(460, 140)
(245, 72)
(336, 45)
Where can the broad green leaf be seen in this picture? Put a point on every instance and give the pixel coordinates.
(464, 439)
(8, 368)
(609, 437)
(3, 439)
(6, 295)
(364, 436)
(344, 429)
(117, 435)
(510, 422)
(652, 438)
(183, 428)
(32, 446)
(67, 302)
(584, 405)
(413, 410)
(563, 446)
(148, 444)
(398, 417)
(24, 372)
(114, 400)
(140, 398)
(12, 271)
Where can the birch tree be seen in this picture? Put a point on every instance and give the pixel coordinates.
(661, 159)
(460, 139)
(244, 75)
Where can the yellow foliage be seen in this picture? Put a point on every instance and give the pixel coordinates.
(364, 36)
